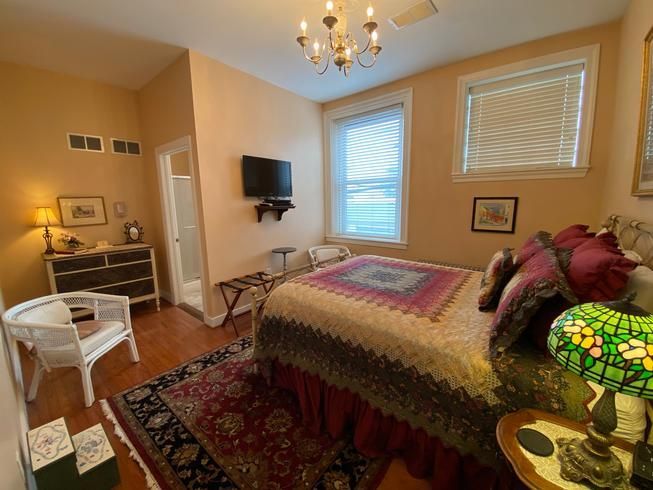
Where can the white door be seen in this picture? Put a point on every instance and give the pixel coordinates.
(186, 228)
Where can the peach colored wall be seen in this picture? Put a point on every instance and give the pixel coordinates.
(637, 21)
(166, 114)
(440, 211)
(238, 114)
(37, 108)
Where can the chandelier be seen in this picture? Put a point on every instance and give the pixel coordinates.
(340, 43)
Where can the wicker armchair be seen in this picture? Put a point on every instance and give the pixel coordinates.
(46, 325)
(324, 255)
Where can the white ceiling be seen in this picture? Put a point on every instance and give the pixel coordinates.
(127, 42)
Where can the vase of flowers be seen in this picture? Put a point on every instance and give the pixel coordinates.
(71, 240)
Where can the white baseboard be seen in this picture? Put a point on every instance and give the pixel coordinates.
(165, 295)
(214, 321)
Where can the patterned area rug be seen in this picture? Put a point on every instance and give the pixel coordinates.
(213, 423)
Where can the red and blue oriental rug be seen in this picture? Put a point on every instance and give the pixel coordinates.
(214, 423)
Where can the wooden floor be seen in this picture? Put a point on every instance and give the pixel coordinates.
(165, 339)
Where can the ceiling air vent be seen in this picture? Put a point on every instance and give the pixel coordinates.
(411, 15)
(125, 147)
(85, 142)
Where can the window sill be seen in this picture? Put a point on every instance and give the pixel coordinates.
(372, 242)
(552, 173)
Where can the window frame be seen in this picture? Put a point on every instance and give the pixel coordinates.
(589, 56)
(330, 118)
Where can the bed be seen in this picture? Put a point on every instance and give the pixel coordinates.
(398, 351)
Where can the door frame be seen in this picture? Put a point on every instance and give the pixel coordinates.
(173, 253)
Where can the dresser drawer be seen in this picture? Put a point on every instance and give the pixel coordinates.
(124, 257)
(131, 289)
(77, 281)
(78, 264)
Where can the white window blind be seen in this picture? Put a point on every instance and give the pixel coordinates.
(367, 174)
(524, 122)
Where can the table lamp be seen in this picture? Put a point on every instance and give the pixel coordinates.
(610, 344)
(45, 217)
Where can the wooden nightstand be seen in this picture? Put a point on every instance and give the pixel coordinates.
(544, 472)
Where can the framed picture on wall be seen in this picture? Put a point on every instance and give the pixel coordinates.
(494, 214)
(643, 175)
(82, 211)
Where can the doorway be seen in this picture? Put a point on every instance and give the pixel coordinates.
(181, 225)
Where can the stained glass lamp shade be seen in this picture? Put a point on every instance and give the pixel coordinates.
(610, 344)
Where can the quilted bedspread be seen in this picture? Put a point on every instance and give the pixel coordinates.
(409, 339)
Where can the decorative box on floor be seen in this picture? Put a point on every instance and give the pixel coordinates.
(96, 461)
(53, 456)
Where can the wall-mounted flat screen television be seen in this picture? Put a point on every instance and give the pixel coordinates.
(264, 177)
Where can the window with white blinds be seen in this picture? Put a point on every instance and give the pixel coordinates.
(530, 120)
(367, 167)
(527, 121)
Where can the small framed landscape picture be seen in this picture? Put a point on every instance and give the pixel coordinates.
(494, 214)
(82, 211)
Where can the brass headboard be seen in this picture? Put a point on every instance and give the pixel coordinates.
(633, 235)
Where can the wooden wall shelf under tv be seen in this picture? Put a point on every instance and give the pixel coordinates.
(261, 209)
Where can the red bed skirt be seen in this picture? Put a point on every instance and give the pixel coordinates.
(337, 410)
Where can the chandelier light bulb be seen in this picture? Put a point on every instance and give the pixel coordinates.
(303, 27)
(329, 7)
(375, 36)
(370, 13)
(316, 47)
(348, 52)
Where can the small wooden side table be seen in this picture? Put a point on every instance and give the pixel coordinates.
(540, 472)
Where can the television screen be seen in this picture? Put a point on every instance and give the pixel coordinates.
(264, 177)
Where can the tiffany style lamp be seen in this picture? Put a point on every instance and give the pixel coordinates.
(610, 344)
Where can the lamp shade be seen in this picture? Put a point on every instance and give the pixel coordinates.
(610, 344)
(45, 217)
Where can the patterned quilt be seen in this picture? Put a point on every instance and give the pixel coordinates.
(409, 339)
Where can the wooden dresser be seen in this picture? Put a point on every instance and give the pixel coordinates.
(126, 270)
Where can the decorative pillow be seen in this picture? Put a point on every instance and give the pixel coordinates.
(540, 324)
(496, 275)
(598, 270)
(640, 281)
(539, 279)
(536, 243)
(55, 312)
(572, 236)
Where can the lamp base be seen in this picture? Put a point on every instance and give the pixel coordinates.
(591, 459)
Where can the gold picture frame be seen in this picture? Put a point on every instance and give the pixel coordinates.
(643, 174)
(82, 211)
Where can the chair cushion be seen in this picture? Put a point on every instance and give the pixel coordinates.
(325, 254)
(55, 312)
(106, 331)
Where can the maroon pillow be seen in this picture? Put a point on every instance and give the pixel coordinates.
(573, 236)
(598, 270)
(497, 274)
(534, 244)
(539, 279)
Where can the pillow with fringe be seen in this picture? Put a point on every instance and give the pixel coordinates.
(538, 279)
(497, 274)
